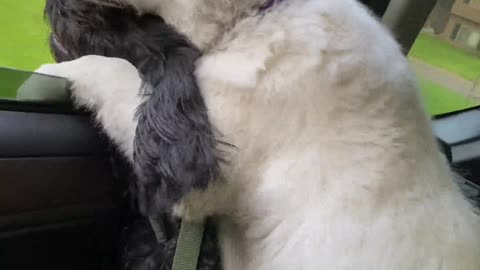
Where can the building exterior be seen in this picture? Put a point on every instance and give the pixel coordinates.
(438, 19)
(457, 21)
(463, 26)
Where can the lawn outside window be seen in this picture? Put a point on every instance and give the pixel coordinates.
(446, 57)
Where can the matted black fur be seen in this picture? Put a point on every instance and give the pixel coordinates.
(175, 149)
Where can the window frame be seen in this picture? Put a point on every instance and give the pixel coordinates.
(466, 27)
(405, 18)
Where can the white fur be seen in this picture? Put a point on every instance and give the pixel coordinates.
(336, 166)
(108, 86)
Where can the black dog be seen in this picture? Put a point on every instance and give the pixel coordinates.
(175, 148)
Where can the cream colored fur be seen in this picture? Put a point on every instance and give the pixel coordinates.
(336, 166)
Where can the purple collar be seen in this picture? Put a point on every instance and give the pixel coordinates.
(269, 4)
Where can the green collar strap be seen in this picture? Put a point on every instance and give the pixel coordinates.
(188, 244)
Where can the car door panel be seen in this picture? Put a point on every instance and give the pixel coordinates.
(57, 201)
(27, 134)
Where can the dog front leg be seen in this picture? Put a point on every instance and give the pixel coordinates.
(108, 87)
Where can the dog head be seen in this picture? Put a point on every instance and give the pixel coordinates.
(202, 21)
(80, 28)
(174, 148)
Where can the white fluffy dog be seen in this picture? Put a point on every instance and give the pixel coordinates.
(335, 165)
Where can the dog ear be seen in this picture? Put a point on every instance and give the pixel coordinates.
(175, 148)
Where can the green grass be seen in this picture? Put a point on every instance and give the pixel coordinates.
(10, 81)
(23, 33)
(441, 54)
(439, 99)
(437, 52)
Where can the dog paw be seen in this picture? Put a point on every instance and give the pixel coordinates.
(109, 88)
(97, 79)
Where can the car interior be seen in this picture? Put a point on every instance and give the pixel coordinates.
(59, 205)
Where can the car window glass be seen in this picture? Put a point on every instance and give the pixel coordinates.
(23, 34)
(24, 47)
(446, 56)
(16, 85)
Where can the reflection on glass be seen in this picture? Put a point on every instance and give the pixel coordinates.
(32, 87)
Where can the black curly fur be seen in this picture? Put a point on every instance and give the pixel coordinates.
(175, 150)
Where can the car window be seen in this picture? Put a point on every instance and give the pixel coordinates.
(25, 86)
(446, 56)
(23, 34)
(24, 46)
